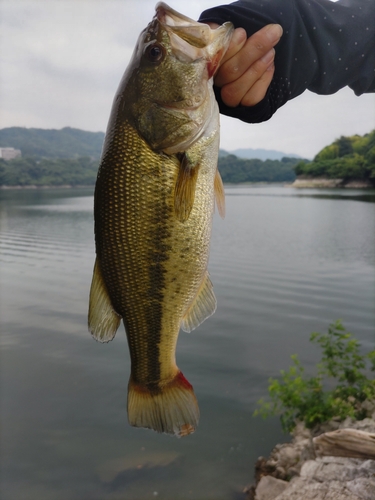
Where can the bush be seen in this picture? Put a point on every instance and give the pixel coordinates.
(328, 153)
(346, 158)
(337, 391)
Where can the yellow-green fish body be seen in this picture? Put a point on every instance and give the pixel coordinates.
(154, 201)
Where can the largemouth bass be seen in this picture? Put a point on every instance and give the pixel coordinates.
(154, 202)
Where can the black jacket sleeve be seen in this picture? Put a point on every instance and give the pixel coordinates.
(325, 47)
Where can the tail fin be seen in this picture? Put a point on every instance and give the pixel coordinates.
(173, 409)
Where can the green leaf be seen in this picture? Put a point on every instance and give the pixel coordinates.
(294, 396)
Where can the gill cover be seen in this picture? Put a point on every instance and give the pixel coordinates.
(170, 73)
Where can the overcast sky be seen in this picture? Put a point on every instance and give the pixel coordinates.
(61, 62)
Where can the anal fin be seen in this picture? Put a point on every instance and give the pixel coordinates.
(202, 307)
(103, 321)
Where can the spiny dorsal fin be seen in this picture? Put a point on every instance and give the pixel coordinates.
(202, 307)
(184, 193)
(103, 321)
(219, 194)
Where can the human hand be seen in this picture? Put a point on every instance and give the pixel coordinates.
(247, 68)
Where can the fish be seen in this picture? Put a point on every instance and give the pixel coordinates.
(153, 207)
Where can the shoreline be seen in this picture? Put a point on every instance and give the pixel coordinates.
(300, 469)
(301, 182)
(34, 186)
(323, 182)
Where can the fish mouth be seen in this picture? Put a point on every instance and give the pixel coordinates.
(196, 34)
(191, 40)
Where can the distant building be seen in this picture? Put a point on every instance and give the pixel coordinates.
(9, 153)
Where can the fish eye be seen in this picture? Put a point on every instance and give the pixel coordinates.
(155, 53)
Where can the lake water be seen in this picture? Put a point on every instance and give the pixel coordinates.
(284, 263)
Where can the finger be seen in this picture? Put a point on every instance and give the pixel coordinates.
(257, 46)
(238, 40)
(259, 89)
(233, 93)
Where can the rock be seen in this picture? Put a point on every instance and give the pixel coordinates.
(337, 469)
(334, 479)
(301, 489)
(300, 433)
(362, 487)
(316, 478)
(367, 424)
(330, 426)
(368, 406)
(285, 460)
(269, 488)
(263, 468)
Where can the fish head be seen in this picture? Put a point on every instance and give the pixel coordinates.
(167, 89)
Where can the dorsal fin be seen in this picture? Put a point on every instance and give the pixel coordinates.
(103, 321)
(202, 307)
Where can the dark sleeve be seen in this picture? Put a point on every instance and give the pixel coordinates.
(325, 46)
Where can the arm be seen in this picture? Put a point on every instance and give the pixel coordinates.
(325, 46)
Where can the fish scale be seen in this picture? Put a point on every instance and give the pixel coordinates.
(154, 202)
(143, 222)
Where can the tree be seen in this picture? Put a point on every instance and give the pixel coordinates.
(346, 158)
(345, 146)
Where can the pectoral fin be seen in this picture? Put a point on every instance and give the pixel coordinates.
(103, 321)
(184, 194)
(219, 194)
(203, 306)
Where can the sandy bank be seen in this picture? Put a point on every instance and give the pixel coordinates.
(323, 182)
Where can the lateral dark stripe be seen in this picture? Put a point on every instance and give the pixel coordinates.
(158, 255)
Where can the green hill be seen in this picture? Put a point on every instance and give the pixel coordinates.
(50, 143)
(237, 170)
(31, 171)
(347, 158)
(259, 154)
(71, 156)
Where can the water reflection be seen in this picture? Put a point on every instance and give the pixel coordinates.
(367, 195)
(283, 264)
